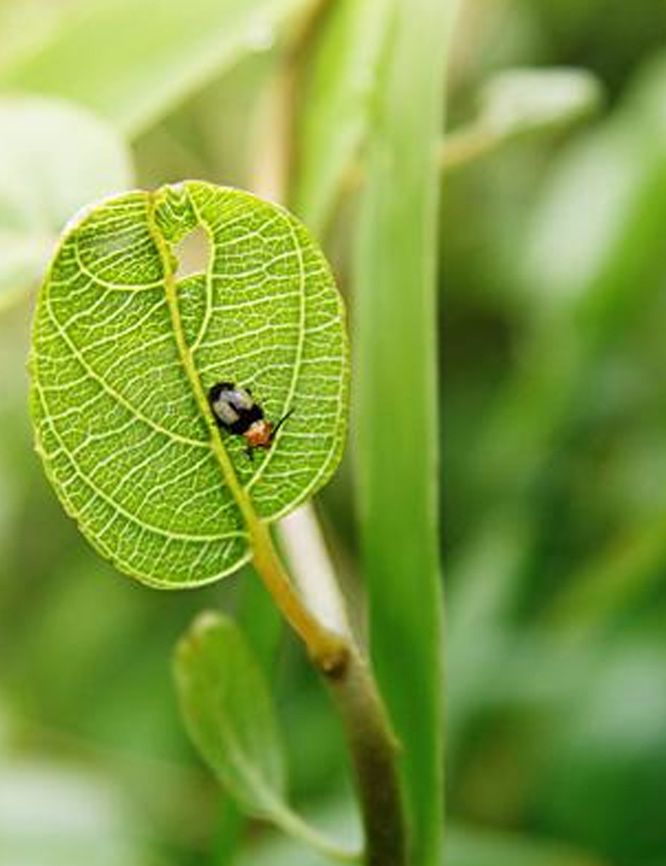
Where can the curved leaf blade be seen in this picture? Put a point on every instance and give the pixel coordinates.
(521, 101)
(124, 352)
(228, 711)
(396, 334)
(229, 714)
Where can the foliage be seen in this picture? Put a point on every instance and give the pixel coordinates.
(125, 353)
(552, 435)
(396, 335)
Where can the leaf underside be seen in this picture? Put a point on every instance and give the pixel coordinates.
(229, 713)
(118, 374)
(228, 710)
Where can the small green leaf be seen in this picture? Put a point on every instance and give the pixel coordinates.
(229, 715)
(519, 101)
(54, 158)
(124, 353)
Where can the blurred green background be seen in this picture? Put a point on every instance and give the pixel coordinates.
(553, 470)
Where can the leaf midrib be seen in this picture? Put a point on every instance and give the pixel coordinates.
(215, 440)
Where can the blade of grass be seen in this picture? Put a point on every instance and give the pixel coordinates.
(337, 100)
(396, 405)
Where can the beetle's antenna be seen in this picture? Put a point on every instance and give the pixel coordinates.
(281, 422)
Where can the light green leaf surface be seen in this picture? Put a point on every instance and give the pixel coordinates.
(338, 104)
(261, 625)
(26, 25)
(124, 353)
(396, 324)
(134, 60)
(229, 714)
(54, 158)
(519, 101)
(228, 711)
(605, 190)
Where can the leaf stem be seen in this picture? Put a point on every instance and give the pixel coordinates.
(328, 650)
(300, 829)
(372, 744)
(374, 752)
(465, 146)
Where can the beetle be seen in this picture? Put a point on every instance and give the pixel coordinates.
(236, 411)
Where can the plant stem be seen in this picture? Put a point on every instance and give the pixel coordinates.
(279, 152)
(465, 146)
(374, 750)
(372, 744)
(328, 650)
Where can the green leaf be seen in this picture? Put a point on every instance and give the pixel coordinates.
(229, 715)
(338, 816)
(338, 104)
(520, 101)
(261, 625)
(605, 191)
(134, 60)
(54, 158)
(396, 344)
(124, 353)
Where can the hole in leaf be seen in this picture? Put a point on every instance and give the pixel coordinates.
(193, 253)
